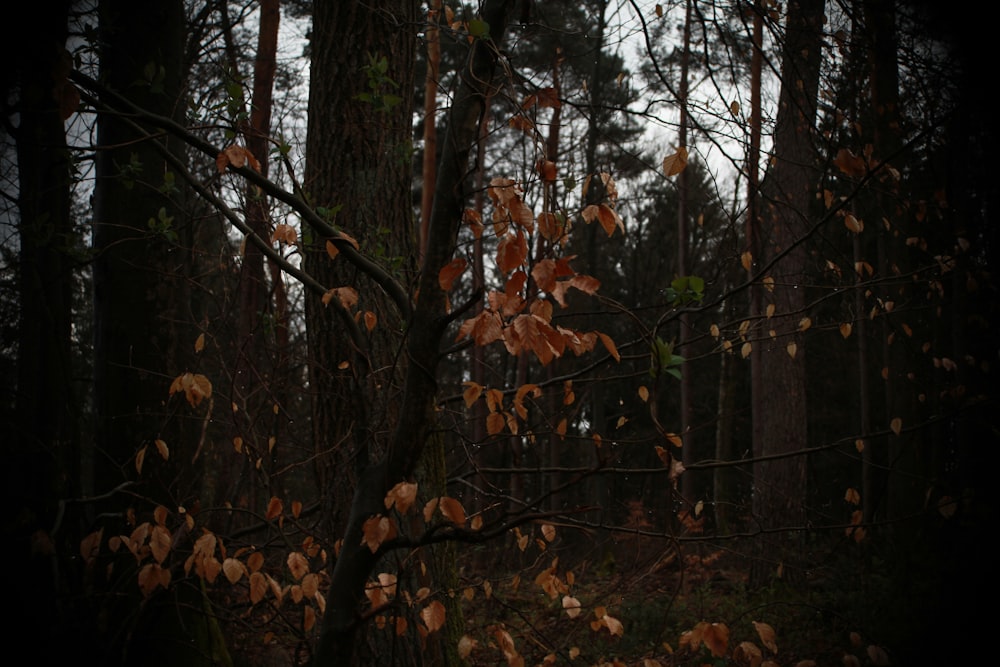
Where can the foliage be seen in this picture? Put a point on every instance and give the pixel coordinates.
(502, 482)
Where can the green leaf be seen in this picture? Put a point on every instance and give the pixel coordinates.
(479, 29)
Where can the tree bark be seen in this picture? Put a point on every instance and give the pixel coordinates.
(426, 327)
(787, 192)
(42, 450)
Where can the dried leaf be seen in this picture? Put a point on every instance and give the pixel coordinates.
(152, 576)
(233, 569)
(199, 343)
(429, 509)
(845, 329)
(571, 605)
(452, 510)
(347, 296)
(377, 530)
(451, 272)
(896, 425)
(284, 233)
(675, 163)
(466, 645)
(849, 163)
(255, 561)
(298, 564)
(473, 391)
(401, 496)
(258, 587)
(274, 508)
(196, 387)
(609, 345)
(767, 635)
(433, 616)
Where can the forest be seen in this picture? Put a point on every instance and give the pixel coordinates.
(611, 333)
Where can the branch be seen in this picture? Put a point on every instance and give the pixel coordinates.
(384, 279)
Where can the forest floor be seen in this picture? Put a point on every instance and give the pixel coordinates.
(691, 608)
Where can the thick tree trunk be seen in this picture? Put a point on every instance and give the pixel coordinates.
(139, 253)
(358, 170)
(426, 326)
(41, 450)
(788, 192)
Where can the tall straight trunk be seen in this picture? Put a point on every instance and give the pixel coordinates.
(689, 488)
(904, 495)
(357, 168)
(41, 452)
(146, 261)
(433, 39)
(425, 329)
(787, 192)
(142, 246)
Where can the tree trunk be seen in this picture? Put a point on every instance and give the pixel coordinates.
(425, 329)
(41, 452)
(787, 192)
(358, 170)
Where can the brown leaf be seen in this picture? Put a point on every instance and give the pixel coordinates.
(255, 561)
(716, 638)
(450, 272)
(466, 645)
(767, 635)
(152, 576)
(473, 390)
(853, 224)
(347, 296)
(401, 496)
(298, 564)
(284, 233)
(609, 345)
(377, 530)
(258, 587)
(433, 616)
(571, 605)
(233, 569)
(494, 423)
(159, 543)
(236, 156)
(452, 510)
(512, 251)
(849, 163)
(274, 508)
(675, 163)
(609, 219)
(547, 170)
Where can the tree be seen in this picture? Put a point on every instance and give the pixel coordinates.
(376, 541)
(780, 418)
(43, 449)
